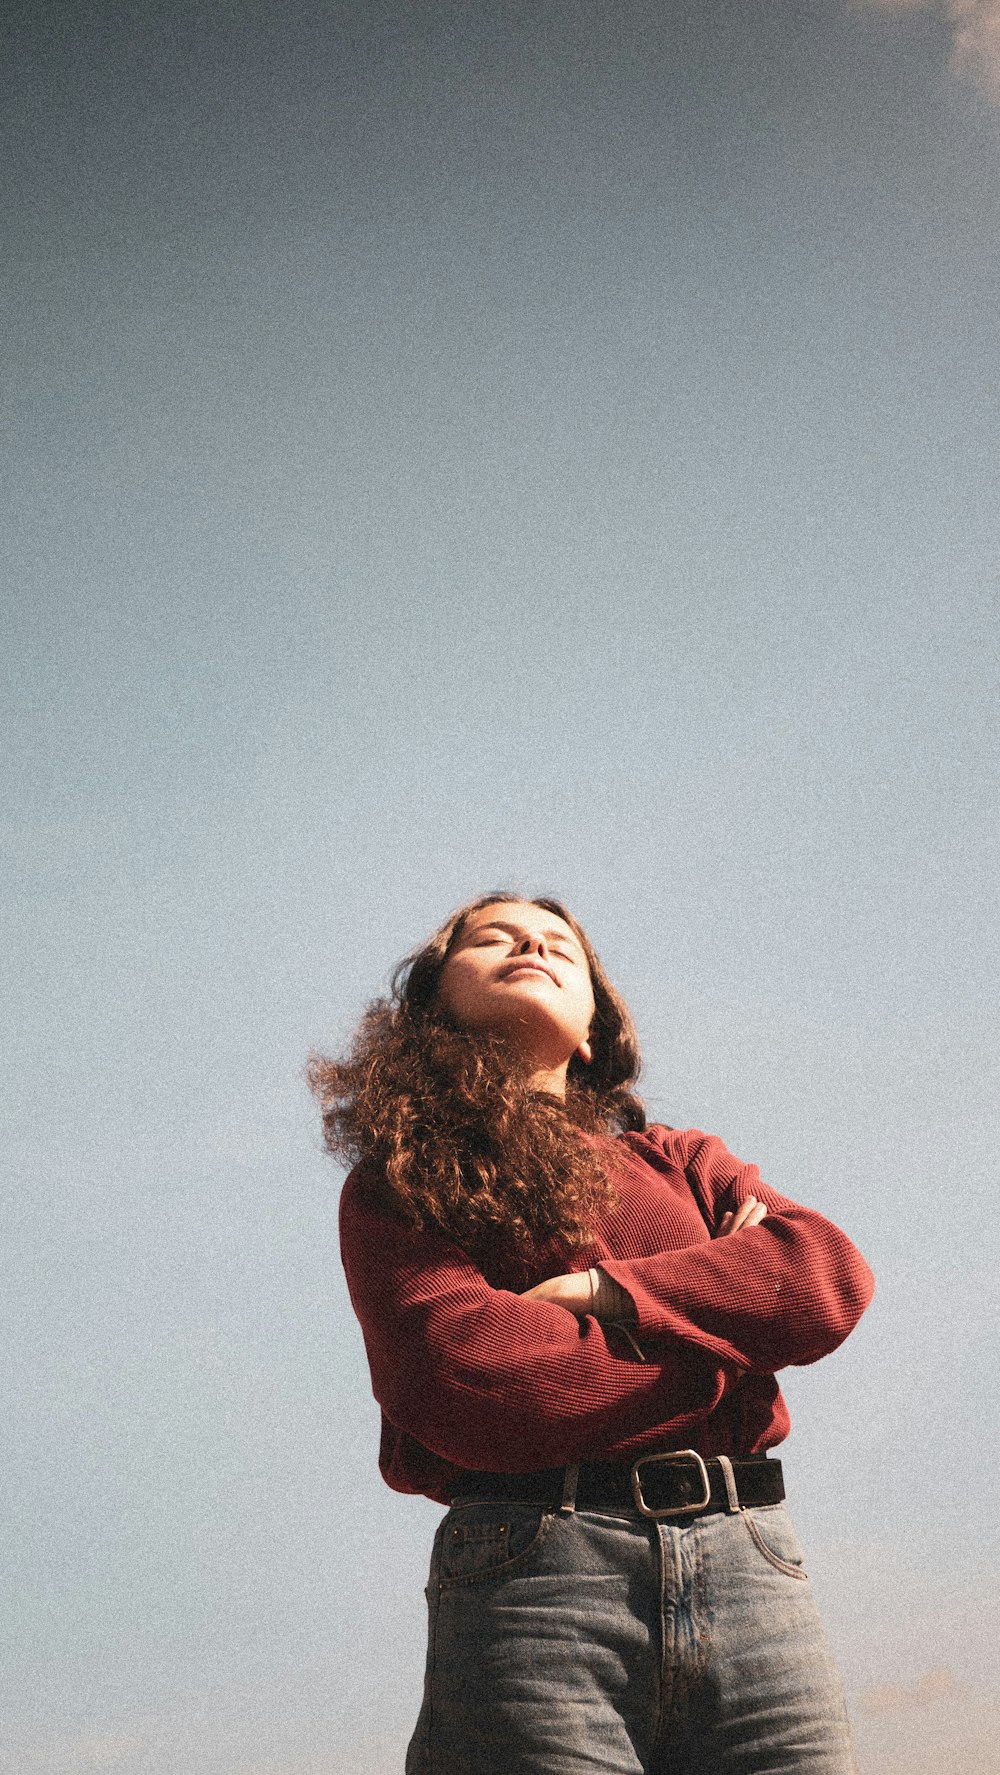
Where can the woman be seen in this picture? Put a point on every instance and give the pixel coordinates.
(573, 1322)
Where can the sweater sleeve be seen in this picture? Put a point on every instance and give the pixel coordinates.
(492, 1381)
(785, 1292)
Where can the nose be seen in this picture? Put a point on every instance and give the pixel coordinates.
(531, 946)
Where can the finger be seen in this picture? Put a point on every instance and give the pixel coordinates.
(742, 1211)
(749, 1213)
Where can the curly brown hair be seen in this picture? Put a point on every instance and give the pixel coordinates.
(452, 1134)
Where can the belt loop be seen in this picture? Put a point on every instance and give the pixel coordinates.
(729, 1476)
(570, 1477)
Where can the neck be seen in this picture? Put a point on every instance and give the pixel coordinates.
(551, 1079)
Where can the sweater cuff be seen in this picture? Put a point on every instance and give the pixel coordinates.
(610, 1302)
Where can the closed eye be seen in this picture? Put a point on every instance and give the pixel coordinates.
(555, 944)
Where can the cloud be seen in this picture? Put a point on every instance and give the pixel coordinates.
(933, 1686)
(975, 39)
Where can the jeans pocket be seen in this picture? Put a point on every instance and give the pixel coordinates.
(773, 1534)
(483, 1541)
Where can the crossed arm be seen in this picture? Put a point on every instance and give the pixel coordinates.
(594, 1291)
(486, 1378)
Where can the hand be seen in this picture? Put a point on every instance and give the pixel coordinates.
(749, 1213)
(572, 1292)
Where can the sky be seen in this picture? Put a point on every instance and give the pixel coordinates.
(451, 446)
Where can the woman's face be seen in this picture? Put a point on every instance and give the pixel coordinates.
(518, 970)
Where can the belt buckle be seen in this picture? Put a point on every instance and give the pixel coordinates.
(679, 1454)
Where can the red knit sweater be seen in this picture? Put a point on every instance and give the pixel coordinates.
(473, 1376)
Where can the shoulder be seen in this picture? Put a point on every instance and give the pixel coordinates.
(710, 1169)
(665, 1147)
(357, 1188)
(365, 1198)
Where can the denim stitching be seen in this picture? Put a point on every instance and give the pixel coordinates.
(493, 1573)
(779, 1564)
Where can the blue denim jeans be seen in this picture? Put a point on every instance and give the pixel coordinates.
(601, 1643)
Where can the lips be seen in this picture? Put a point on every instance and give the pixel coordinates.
(529, 967)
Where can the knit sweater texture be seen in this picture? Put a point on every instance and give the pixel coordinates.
(473, 1376)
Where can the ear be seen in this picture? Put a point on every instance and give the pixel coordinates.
(585, 1053)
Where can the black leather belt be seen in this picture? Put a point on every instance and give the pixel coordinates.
(675, 1483)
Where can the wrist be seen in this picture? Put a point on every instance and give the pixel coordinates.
(608, 1300)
